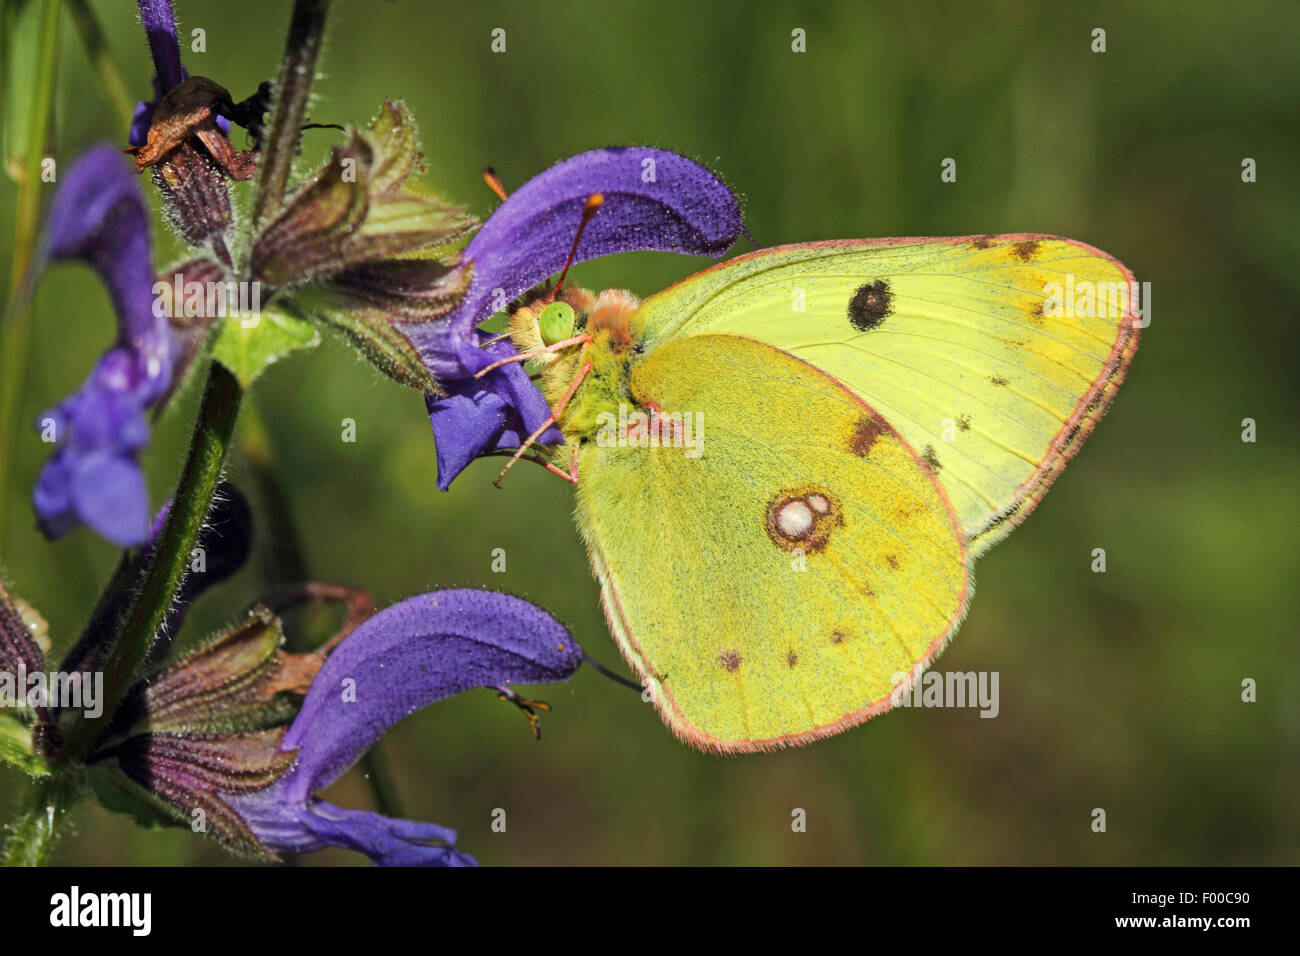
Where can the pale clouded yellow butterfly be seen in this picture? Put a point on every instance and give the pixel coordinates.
(787, 464)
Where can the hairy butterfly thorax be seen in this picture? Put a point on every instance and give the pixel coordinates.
(582, 344)
(605, 323)
(607, 318)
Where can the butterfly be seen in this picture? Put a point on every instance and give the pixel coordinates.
(787, 464)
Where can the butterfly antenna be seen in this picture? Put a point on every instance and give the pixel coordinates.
(494, 182)
(602, 669)
(589, 208)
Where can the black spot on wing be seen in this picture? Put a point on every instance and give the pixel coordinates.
(870, 305)
(1026, 250)
(930, 458)
(865, 432)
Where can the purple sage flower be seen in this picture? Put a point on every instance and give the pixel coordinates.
(653, 200)
(99, 217)
(410, 655)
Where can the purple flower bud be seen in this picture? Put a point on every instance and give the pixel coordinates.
(160, 27)
(164, 45)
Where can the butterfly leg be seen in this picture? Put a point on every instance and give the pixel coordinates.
(528, 708)
(571, 476)
(551, 419)
(525, 356)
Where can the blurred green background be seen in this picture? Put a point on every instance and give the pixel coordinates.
(1118, 690)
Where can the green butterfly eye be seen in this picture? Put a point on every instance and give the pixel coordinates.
(556, 322)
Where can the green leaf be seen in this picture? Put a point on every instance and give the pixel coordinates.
(246, 347)
(16, 745)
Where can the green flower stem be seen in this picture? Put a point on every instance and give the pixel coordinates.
(27, 217)
(292, 89)
(171, 555)
(30, 838)
(111, 84)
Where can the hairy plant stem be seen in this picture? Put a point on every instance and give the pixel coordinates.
(31, 836)
(292, 90)
(171, 553)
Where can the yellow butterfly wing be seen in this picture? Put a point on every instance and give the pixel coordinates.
(993, 356)
(788, 581)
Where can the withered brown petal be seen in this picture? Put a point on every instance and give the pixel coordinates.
(178, 114)
(237, 164)
(232, 683)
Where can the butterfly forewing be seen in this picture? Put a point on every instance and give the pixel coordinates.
(992, 356)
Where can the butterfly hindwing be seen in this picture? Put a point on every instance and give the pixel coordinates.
(774, 588)
(992, 356)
